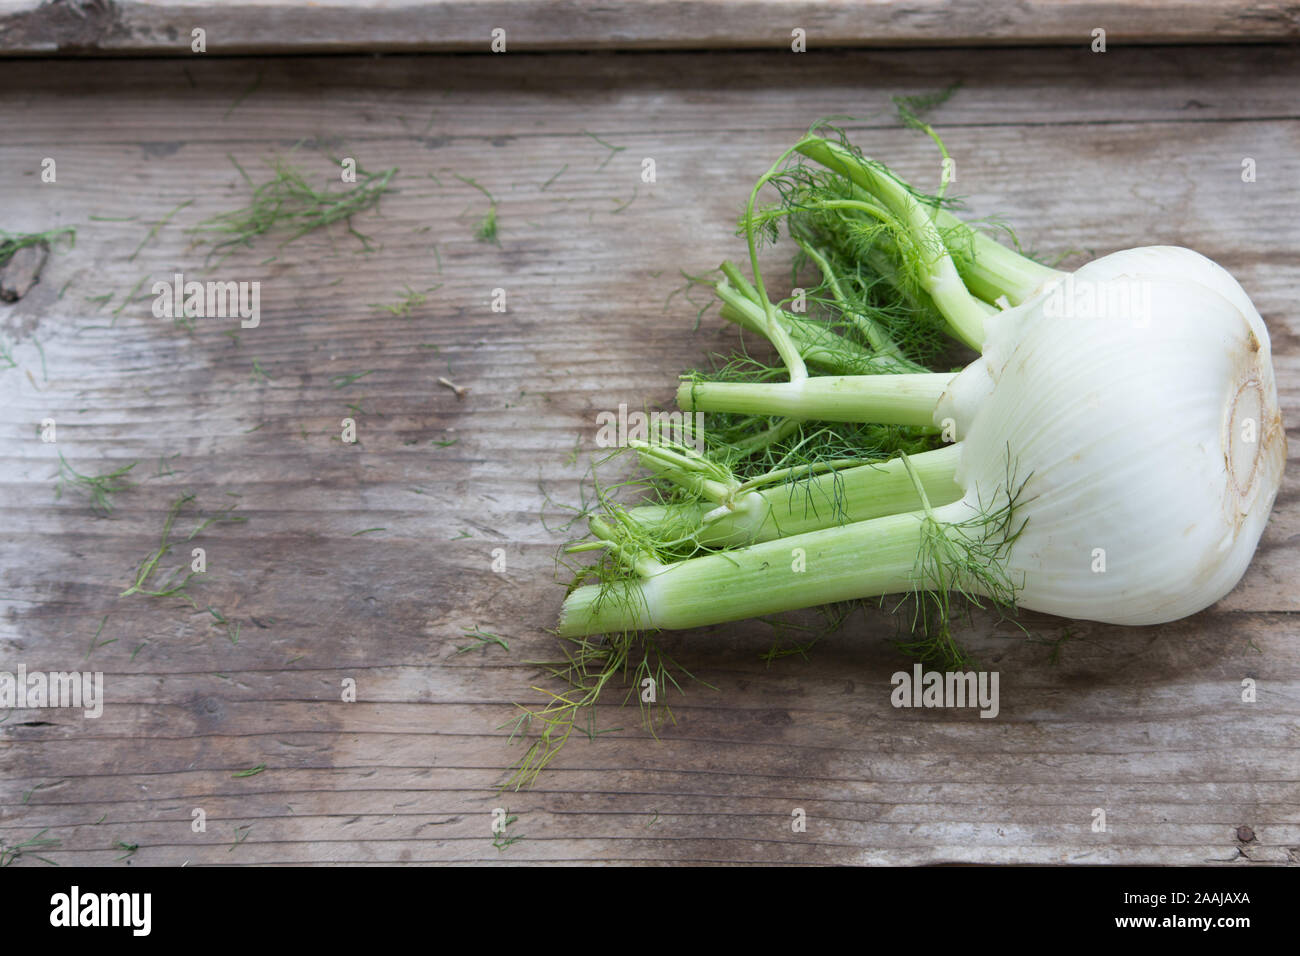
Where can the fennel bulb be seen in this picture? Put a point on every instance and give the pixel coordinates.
(1111, 455)
(1153, 443)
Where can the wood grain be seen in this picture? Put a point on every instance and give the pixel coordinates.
(1083, 153)
(78, 27)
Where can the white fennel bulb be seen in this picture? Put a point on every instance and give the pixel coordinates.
(1136, 400)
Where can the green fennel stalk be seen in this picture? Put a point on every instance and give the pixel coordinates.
(914, 255)
(821, 479)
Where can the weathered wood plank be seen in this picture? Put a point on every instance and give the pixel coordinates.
(1146, 723)
(437, 99)
(336, 26)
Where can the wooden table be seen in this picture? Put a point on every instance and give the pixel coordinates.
(369, 562)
